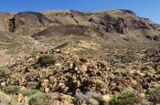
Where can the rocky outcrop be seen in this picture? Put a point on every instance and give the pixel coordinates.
(28, 22)
(12, 26)
(120, 25)
(5, 20)
(113, 24)
(153, 37)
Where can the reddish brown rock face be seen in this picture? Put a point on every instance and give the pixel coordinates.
(28, 22)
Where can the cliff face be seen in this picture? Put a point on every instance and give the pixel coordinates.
(4, 21)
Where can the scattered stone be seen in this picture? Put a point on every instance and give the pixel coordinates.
(4, 99)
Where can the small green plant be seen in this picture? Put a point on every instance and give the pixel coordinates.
(120, 65)
(125, 98)
(46, 60)
(29, 92)
(101, 84)
(12, 89)
(36, 66)
(4, 72)
(38, 99)
(99, 78)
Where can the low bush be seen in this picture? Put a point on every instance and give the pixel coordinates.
(89, 99)
(29, 92)
(4, 72)
(12, 89)
(46, 60)
(38, 99)
(125, 98)
(120, 65)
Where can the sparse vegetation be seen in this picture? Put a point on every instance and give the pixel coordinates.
(29, 92)
(12, 89)
(125, 98)
(46, 60)
(4, 72)
(38, 99)
(10, 44)
(155, 95)
(120, 65)
(90, 99)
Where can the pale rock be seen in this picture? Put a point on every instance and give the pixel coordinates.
(4, 99)
(134, 82)
(45, 82)
(3, 84)
(142, 95)
(106, 98)
(84, 68)
(47, 90)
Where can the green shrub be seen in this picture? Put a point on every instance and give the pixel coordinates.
(36, 66)
(29, 92)
(125, 98)
(120, 65)
(99, 78)
(46, 60)
(154, 95)
(12, 89)
(38, 99)
(101, 84)
(4, 72)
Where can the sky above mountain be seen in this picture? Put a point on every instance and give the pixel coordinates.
(145, 8)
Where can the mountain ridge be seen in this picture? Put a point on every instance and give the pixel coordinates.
(118, 21)
(79, 58)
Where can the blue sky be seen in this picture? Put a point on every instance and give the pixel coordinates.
(145, 8)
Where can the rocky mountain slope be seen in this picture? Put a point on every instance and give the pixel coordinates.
(79, 58)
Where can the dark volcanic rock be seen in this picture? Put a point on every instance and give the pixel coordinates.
(64, 30)
(114, 25)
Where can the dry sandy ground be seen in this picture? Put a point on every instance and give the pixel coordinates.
(5, 58)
